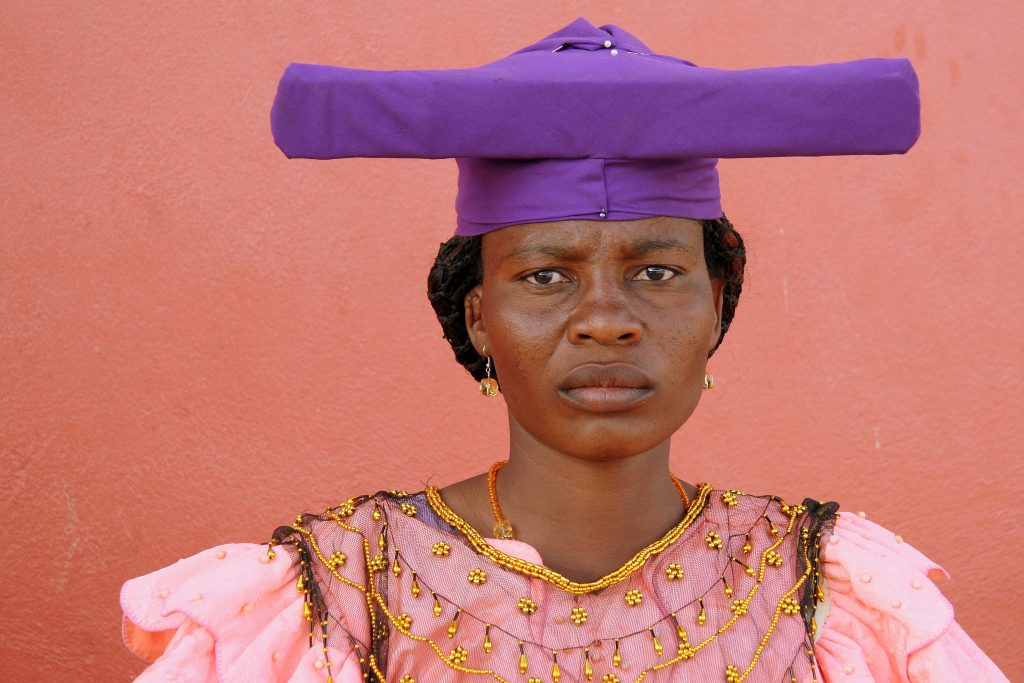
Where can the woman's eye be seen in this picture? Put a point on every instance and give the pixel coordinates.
(656, 273)
(544, 277)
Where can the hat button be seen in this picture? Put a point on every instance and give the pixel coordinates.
(607, 43)
(602, 214)
(614, 52)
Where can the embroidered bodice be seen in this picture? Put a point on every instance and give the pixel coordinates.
(729, 593)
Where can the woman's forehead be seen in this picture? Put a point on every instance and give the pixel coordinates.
(561, 238)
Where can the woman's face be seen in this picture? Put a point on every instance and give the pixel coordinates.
(599, 330)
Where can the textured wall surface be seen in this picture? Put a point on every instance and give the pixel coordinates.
(200, 338)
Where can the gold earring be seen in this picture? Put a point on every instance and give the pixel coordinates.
(709, 381)
(489, 385)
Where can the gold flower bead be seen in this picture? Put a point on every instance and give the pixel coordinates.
(686, 651)
(674, 571)
(609, 678)
(458, 655)
(738, 607)
(527, 606)
(578, 616)
(773, 558)
(409, 509)
(346, 509)
(790, 606)
(378, 564)
(441, 549)
(400, 493)
(732, 674)
(478, 577)
(406, 679)
(403, 621)
(729, 497)
(713, 540)
(634, 598)
(337, 559)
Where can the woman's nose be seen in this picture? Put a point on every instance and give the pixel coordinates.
(604, 316)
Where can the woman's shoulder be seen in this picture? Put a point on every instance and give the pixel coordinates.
(240, 611)
(885, 614)
(875, 609)
(867, 564)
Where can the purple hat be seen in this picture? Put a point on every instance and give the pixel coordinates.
(588, 123)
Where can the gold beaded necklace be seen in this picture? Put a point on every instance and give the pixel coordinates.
(503, 529)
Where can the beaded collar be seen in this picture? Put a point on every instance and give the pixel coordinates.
(480, 545)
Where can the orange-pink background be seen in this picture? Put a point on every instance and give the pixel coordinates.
(201, 338)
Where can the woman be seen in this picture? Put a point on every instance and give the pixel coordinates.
(591, 277)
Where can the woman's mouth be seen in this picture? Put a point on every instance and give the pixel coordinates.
(606, 388)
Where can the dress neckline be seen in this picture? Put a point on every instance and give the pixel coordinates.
(482, 546)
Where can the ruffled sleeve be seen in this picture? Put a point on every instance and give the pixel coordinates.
(230, 613)
(885, 619)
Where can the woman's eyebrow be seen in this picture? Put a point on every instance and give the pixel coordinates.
(552, 250)
(645, 246)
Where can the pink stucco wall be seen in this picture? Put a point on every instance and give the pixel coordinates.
(200, 338)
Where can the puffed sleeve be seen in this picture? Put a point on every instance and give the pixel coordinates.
(229, 613)
(885, 617)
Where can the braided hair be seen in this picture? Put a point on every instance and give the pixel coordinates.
(459, 268)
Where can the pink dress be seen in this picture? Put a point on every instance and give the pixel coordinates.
(462, 608)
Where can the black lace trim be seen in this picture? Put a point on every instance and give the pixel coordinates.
(819, 521)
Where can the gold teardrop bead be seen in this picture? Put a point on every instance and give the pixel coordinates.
(454, 626)
(658, 649)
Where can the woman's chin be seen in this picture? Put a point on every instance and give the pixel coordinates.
(603, 442)
(602, 424)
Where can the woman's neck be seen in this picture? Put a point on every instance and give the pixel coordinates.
(586, 518)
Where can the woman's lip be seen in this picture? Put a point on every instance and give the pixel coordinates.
(601, 375)
(605, 399)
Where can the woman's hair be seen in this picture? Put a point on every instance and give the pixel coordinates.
(459, 267)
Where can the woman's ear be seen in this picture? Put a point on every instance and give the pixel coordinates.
(717, 290)
(474, 306)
